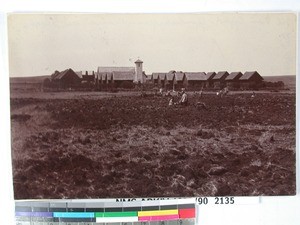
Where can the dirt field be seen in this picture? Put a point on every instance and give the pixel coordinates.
(114, 146)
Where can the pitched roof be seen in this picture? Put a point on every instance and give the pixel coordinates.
(148, 77)
(55, 74)
(210, 75)
(138, 61)
(162, 76)
(114, 69)
(248, 75)
(195, 76)
(79, 73)
(220, 75)
(179, 76)
(156, 75)
(170, 76)
(233, 76)
(63, 73)
(123, 75)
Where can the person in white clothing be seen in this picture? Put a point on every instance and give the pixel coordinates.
(184, 99)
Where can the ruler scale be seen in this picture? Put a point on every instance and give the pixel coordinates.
(111, 213)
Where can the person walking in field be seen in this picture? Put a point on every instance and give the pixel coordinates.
(171, 101)
(161, 91)
(184, 99)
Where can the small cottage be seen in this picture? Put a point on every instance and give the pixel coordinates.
(65, 79)
(170, 80)
(219, 79)
(209, 79)
(251, 80)
(179, 79)
(232, 80)
(156, 79)
(88, 77)
(194, 80)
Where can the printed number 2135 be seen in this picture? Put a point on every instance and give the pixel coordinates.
(224, 200)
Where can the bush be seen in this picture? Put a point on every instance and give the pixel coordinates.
(272, 85)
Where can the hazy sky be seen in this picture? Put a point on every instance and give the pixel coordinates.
(39, 44)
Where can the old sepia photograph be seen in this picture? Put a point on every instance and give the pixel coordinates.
(152, 105)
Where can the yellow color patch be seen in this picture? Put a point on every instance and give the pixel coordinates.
(158, 212)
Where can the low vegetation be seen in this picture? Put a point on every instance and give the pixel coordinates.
(132, 146)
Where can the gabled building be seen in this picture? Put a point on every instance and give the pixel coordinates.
(148, 78)
(88, 77)
(179, 79)
(105, 80)
(219, 79)
(251, 80)
(170, 80)
(102, 78)
(65, 79)
(194, 79)
(123, 79)
(108, 69)
(232, 80)
(163, 79)
(139, 74)
(209, 79)
(156, 79)
(53, 75)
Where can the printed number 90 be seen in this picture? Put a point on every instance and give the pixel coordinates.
(202, 201)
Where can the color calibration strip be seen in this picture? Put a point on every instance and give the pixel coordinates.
(75, 214)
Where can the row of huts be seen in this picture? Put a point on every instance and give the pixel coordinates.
(215, 80)
(123, 77)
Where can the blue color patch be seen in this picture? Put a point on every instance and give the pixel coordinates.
(73, 215)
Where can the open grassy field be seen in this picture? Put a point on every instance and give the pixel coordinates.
(101, 145)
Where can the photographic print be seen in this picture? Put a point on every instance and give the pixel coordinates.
(152, 105)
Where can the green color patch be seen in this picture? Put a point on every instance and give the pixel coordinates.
(116, 214)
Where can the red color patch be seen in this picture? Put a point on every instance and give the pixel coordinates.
(186, 213)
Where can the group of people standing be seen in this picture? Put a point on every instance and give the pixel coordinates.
(183, 98)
